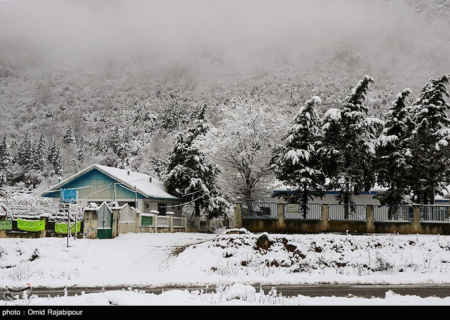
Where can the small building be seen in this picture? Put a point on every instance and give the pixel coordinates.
(98, 184)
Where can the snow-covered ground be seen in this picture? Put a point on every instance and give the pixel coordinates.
(231, 263)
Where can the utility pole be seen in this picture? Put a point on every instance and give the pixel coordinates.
(68, 196)
(135, 198)
(66, 206)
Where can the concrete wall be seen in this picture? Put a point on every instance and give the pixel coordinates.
(90, 224)
(280, 225)
(22, 234)
(126, 227)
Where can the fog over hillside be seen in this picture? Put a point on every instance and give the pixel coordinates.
(223, 38)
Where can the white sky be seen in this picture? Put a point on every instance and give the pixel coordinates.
(217, 37)
(135, 260)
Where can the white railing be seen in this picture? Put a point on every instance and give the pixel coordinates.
(177, 222)
(152, 221)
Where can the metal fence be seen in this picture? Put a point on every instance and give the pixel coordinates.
(393, 213)
(259, 210)
(432, 213)
(347, 212)
(299, 211)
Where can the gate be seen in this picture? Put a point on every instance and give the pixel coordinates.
(104, 229)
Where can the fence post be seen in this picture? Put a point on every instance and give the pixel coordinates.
(416, 223)
(280, 211)
(155, 219)
(370, 226)
(184, 222)
(237, 217)
(170, 214)
(325, 225)
(197, 223)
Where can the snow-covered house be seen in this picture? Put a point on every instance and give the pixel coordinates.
(98, 184)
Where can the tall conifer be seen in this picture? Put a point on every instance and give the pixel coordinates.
(297, 163)
(191, 176)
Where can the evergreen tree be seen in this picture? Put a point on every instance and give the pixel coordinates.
(392, 154)
(52, 153)
(297, 163)
(81, 154)
(69, 137)
(115, 140)
(99, 146)
(127, 137)
(5, 161)
(120, 145)
(35, 157)
(42, 153)
(57, 164)
(190, 176)
(24, 154)
(5, 155)
(349, 145)
(429, 146)
(159, 165)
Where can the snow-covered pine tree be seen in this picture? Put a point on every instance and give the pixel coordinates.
(57, 164)
(52, 152)
(81, 154)
(5, 155)
(69, 137)
(5, 161)
(35, 160)
(392, 149)
(99, 146)
(296, 163)
(189, 174)
(115, 140)
(349, 145)
(429, 146)
(158, 164)
(42, 153)
(24, 154)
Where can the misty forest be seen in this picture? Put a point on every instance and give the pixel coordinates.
(313, 94)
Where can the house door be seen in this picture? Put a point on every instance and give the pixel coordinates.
(104, 230)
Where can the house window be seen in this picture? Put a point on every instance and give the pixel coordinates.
(162, 208)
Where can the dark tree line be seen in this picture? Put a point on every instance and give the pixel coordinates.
(407, 153)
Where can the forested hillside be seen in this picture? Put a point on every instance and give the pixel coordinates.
(114, 82)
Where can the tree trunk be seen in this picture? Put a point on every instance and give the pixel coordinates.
(346, 201)
(197, 208)
(432, 194)
(305, 200)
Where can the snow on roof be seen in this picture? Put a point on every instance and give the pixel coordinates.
(130, 179)
(141, 181)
